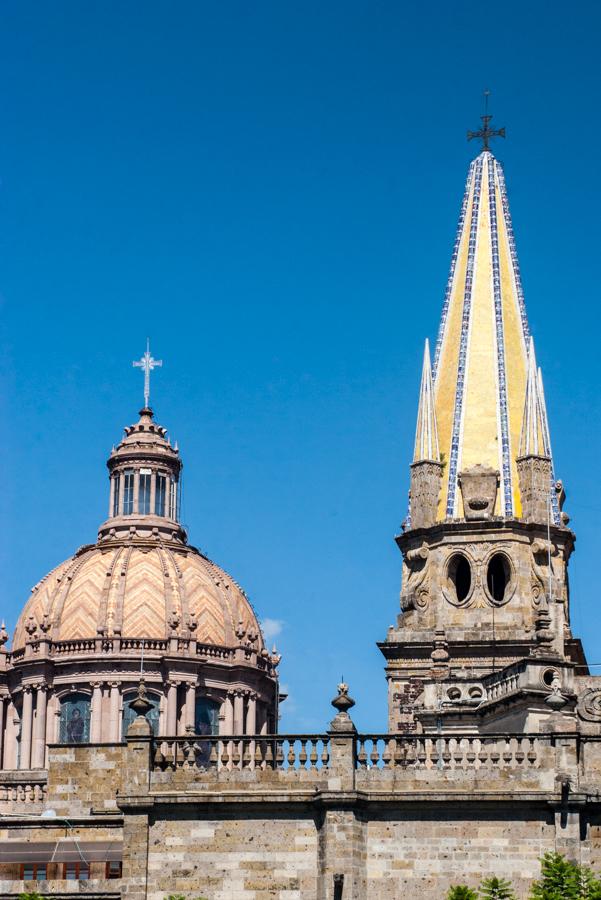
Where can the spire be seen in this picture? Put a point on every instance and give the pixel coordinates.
(426, 435)
(534, 440)
(481, 358)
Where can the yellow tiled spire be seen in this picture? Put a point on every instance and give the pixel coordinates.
(426, 433)
(481, 362)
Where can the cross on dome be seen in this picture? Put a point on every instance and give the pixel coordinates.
(486, 132)
(147, 363)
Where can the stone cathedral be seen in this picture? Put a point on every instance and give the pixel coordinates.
(139, 745)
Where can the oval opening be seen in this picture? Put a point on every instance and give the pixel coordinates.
(461, 576)
(498, 577)
(549, 676)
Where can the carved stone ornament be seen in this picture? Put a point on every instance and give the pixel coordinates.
(589, 705)
(415, 593)
(479, 486)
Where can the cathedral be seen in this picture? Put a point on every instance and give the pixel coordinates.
(139, 746)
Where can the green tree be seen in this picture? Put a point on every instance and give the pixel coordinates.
(30, 895)
(496, 889)
(590, 885)
(461, 892)
(560, 880)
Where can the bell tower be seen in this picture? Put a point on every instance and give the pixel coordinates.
(486, 545)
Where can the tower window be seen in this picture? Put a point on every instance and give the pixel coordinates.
(173, 499)
(161, 489)
(498, 576)
(128, 492)
(144, 495)
(116, 495)
(460, 576)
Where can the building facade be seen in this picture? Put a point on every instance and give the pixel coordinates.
(138, 702)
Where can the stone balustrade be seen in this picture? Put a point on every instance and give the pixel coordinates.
(22, 790)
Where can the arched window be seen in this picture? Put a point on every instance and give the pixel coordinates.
(206, 716)
(161, 488)
(129, 715)
(75, 719)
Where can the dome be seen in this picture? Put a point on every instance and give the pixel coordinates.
(134, 589)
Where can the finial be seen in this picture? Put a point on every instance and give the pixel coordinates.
(343, 702)
(485, 133)
(140, 705)
(147, 364)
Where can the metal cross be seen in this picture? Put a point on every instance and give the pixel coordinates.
(486, 132)
(147, 363)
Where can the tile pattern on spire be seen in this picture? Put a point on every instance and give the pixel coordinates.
(426, 434)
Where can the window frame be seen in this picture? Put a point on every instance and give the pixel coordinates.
(37, 868)
(78, 867)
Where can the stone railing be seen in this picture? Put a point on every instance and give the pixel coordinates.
(18, 788)
(274, 752)
(371, 752)
(451, 751)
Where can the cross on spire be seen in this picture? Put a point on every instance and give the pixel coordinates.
(147, 364)
(486, 132)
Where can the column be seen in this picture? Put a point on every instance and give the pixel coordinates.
(251, 714)
(111, 496)
(228, 711)
(171, 708)
(238, 712)
(96, 723)
(38, 754)
(189, 710)
(10, 740)
(2, 708)
(26, 716)
(153, 492)
(136, 491)
(114, 698)
(264, 718)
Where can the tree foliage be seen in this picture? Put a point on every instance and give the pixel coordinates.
(461, 892)
(563, 880)
(496, 889)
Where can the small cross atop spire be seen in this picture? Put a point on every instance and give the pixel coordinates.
(147, 364)
(486, 132)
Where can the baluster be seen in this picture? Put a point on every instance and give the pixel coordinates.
(269, 760)
(507, 752)
(458, 753)
(325, 755)
(291, 755)
(159, 758)
(303, 756)
(236, 759)
(258, 754)
(483, 753)
(374, 756)
(225, 756)
(495, 756)
(279, 755)
(421, 753)
(410, 755)
(362, 754)
(386, 755)
(213, 754)
(446, 752)
(470, 755)
(313, 755)
(532, 756)
(399, 753)
(247, 756)
(519, 754)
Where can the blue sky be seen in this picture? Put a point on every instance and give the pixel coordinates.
(270, 191)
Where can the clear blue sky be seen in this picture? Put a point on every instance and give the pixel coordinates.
(270, 191)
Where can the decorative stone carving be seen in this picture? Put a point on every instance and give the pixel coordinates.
(479, 486)
(426, 477)
(415, 592)
(589, 705)
(534, 473)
